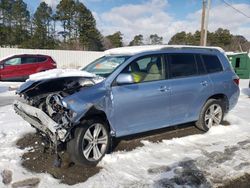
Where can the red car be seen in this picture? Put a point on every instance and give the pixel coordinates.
(19, 67)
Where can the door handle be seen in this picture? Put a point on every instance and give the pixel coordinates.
(204, 83)
(164, 89)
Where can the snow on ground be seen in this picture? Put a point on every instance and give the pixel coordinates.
(8, 88)
(12, 127)
(206, 159)
(3, 89)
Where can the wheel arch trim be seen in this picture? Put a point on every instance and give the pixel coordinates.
(93, 112)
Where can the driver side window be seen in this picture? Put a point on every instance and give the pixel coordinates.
(145, 69)
(13, 61)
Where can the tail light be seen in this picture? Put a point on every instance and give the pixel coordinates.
(54, 63)
(237, 81)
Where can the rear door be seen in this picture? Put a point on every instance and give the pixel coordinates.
(190, 86)
(144, 105)
(44, 63)
(222, 80)
(29, 65)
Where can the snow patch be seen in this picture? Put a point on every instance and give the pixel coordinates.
(13, 127)
(8, 88)
(236, 53)
(131, 50)
(3, 89)
(55, 73)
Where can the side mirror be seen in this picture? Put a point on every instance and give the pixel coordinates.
(124, 79)
(1, 66)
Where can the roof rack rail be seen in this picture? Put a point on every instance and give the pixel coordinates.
(146, 48)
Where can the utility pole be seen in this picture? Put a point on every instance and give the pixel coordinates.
(204, 2)
(204, 21)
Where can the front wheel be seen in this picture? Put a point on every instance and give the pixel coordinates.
(90, 143)
(211, 114)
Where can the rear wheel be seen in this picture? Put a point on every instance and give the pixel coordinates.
(90, 143)
(211, 114)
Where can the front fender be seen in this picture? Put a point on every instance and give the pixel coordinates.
(81, 102)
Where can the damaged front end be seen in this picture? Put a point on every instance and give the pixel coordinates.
(47, 122)
(41, 104)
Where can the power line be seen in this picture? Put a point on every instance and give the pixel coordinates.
(235, 9)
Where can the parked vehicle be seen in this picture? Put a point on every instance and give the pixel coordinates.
(132, 90)
(19, 67)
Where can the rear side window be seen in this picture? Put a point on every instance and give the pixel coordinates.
(27, 60)
(200, 66)
(212, 63)
(182, 65)
(41, 59)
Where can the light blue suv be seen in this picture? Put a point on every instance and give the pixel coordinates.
(131, 90)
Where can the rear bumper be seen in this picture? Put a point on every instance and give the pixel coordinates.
(40, 120)
(233, 100)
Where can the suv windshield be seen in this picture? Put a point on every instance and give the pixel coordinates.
(105, 65)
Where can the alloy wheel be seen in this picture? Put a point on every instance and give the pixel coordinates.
(95, 141)
(213, 115)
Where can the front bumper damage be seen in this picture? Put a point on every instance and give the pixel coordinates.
(41, 121)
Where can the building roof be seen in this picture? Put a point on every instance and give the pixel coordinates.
(132, 50)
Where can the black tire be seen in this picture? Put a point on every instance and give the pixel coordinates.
(201, 123)
(75, 147)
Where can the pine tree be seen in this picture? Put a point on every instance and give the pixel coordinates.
(222, 36)
(65, 14)
(178, 38)
(5, 11)
(6, 22)
(15, 19)
(115, 39)
(155, 39)
(137, 41)
(20, 22)
(42, 22)
(89, 36)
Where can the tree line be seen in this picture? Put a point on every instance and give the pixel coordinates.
(72, 26)
(72, 21)
(221, 37)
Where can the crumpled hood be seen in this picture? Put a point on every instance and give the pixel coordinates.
(57, 80)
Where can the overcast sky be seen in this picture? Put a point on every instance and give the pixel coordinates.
(163, 17)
